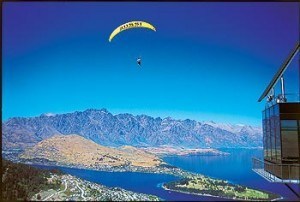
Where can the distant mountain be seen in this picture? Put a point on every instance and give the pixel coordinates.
(107, 129)
(78, 151)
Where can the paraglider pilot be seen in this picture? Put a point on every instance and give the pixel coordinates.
(139, 61)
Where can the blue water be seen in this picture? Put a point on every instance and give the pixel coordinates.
(139, 182)
(235, 168)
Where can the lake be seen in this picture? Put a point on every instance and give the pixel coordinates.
(235, 168)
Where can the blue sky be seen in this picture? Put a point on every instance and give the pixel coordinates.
(206, 61)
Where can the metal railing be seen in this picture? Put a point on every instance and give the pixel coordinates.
(279, 98)
(277, 172)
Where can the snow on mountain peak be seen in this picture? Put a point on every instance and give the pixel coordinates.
(48, 114)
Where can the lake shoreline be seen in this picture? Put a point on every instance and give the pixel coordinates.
(236, 199)
(181, 176)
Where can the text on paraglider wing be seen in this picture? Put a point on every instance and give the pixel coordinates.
(131, 25)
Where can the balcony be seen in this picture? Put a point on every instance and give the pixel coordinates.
(273, 172)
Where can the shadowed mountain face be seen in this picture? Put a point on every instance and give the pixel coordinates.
(125, 129)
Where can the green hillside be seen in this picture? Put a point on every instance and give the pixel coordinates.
(21, 182)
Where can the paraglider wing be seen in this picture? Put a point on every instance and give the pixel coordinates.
(130, 25)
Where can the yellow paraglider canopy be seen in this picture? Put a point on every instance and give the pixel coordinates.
(129, 25)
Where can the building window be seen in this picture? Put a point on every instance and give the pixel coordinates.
(290, 140)
(264, 138)
(272, 134)
(288, 124)
(276, 109)
(277, 139)
(268, 140)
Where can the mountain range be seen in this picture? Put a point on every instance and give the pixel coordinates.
(107, 129)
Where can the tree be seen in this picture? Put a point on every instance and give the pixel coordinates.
(38, 197)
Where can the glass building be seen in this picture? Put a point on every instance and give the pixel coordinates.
(281, 132)
(281, 140)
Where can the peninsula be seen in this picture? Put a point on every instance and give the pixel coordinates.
(200, 185)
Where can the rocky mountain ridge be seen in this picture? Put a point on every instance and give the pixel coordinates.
(107, 129)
